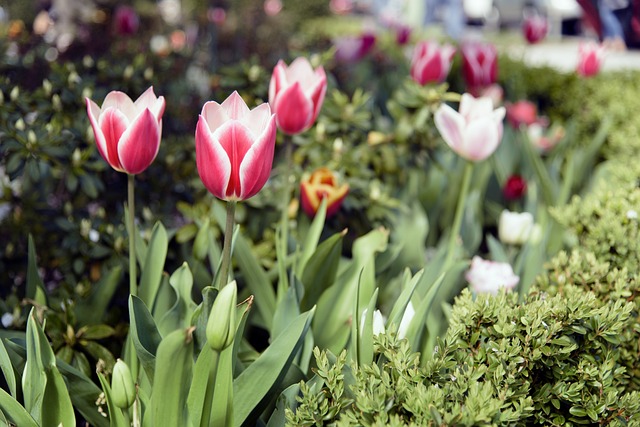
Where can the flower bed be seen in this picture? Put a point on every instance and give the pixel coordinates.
(364, 239)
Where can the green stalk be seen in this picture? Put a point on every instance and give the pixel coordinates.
(457, 220)
(226, 249)
(133, 288)
(286, 192)
(205, 421)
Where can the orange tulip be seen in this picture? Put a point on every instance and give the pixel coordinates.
(322, 183)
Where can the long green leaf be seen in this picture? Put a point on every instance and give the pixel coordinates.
(398, 310)
(84, 394)
(48, 401)
(15, 412)
(312, 237)
(35, 286)
(146, 337)
(252, 388)
(92, 310)
(8, 370)
(321, 270)
(153, 267)
(172, 379)
(179, 316)
(116, 417)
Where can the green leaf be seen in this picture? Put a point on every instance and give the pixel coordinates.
(252, 388)
(94, 307)
(7, 370)
(256, 280)
(200, 397)
(153, 267)
(417, 324)
(362, 332)
(116, 417)
(45, 393)
(144, 332)
(15, 412)
(312, 238)
(409, 287)
(84, 394)
(172, 379)
(179, 316)
(201, 243)
(321, 270)
(497, 250)
(96, 332)
(35, 286)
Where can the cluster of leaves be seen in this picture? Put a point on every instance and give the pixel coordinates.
(605, 222)
(553, 360)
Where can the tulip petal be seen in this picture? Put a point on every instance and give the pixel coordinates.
(93, 111)
(234, 106)
(451, 126)
(122, 102)
(278, 80)
(214, 115)
(149, 100)
(481, 139)
(113, 124)
(318, 91)
(257, 119)
(300, 71)
(212, 162)
(140, 143)
(235, 139)
(472, 108)
(294, 111)
(256, 165)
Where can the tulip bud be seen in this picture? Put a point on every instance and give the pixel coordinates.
(378, 322)
(322, 183)
(221, 326)
(123, 390)
(514, 188)
(489, 276)
(590, 58)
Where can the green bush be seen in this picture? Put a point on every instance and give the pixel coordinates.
(552, 360)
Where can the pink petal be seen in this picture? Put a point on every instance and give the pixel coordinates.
(256, 165)
(212, 161)
(113, 124)
(214, 115)
(301, 71)
(93, 111)
(140, 143)
(236, 140)
(317, 93)
(472, 108)
(451, 126)
(235, 106)
(294, 111)
(278, 80)
(122, 102)
(257, 120)
(482, 137)
(146, 100)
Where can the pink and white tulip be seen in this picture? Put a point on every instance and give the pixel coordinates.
(234, 147)
(479, 65)
(590, 58)
(296, 94)
(490, 276)
(431, 62)
(534, 28)
(127, 133)
(475, 131)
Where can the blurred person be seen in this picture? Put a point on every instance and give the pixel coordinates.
(452, 13)
(616, 22)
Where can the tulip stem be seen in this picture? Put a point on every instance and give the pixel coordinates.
(457, 219)
(286, 194)
(226, 249)
(132, 240)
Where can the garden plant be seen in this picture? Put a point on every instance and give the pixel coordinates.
(271, 214)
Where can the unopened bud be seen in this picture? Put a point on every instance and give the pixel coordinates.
(20, 124)
(221, 326)
(123, 390)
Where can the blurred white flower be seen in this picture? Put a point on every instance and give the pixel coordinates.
(94, 235)
(515, 228)
(378, 322)
(490, 276)
(409, 312)
(7, 320)
(632, 214)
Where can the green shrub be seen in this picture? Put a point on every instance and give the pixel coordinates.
(553, 360)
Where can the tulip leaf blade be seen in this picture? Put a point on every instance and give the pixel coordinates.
(14, 411)
(179, 315)
(312, 237)
(153, 267)
(321, 270)
(144, 332)
(172, 379)
(252, 388)
(116, 417)
(398, 310)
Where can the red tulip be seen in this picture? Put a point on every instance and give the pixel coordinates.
(296, 94)
(403, 33)
(322, 183)
(127, 133)
(534, 28)
(431, 62)
(353, 49)
(475, 131)
(514, 188)
(523, 113)
(234, 147)
(126, 20)
(479, 65)
(590, 57)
